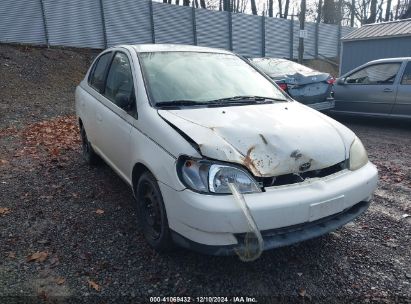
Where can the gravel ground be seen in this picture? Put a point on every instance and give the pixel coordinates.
(83, 225)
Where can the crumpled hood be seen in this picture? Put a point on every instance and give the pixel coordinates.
(269, 139)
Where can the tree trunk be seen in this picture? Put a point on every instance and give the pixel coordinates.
(203, 4)
(373, 12)
(388, 11)
(164, 1)
(270, 8)
(320, 5)
(301, 40)
(177, 2)
(352, 13)
(186, 2)
(287, 5)
(407, 13)
(280, 8)
(253, 7)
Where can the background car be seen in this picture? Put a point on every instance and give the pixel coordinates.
(378, 88)
(308, 86)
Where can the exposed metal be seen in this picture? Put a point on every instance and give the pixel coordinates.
(74, 23)
(381, 30)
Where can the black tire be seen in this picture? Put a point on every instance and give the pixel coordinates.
(152, 213)
(89, 155)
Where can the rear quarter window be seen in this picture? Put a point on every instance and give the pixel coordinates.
(98, 72)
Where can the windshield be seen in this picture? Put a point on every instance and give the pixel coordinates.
(203, 77)
(277, 67)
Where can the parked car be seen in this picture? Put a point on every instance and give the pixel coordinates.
(378, 88)
(308, 86)
(215, 151)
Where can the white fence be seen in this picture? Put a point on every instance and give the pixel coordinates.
(103, 23)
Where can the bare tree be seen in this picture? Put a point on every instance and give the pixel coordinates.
(253, 7)
(303, 10)
(203, 4)
(319, 9)
(407, 12)
(388, 11)
(373, 13)
(270, 8)
(283, 13)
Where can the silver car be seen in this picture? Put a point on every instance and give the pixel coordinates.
(378, 88)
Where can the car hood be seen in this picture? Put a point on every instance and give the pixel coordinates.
(269, 139)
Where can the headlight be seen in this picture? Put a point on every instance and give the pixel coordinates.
(213, 177)
(358, 155)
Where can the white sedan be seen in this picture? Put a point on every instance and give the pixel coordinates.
(219, 159)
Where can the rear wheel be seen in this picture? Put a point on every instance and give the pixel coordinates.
(152, 214)
(89, 155)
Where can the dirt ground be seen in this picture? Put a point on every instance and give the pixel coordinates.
(69, 233)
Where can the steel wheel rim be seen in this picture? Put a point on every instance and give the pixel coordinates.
(151, 210)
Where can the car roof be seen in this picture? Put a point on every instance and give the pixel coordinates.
(390, 60)
(142, 48)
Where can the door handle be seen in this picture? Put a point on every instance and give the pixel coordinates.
(99, 118)
(387, 90)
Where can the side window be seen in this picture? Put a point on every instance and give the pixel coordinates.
(406, 78)
(119, 84)
(96, 78)
(383, 73)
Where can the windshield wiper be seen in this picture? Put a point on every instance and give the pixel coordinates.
(235, 100)
(246, 99)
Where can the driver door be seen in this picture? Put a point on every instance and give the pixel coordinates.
(370, 90)
(114, 122)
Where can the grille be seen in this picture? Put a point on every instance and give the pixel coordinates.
(293, 178)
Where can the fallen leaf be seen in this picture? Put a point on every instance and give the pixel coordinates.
(60, 281)
(4, 211)
(3, 162)
(302, 292)
(39, 256)
(12, 255)
(93, 285)
(406, 215)
(99, 211)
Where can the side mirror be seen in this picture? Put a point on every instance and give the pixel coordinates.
(341, 81)
(123, 101)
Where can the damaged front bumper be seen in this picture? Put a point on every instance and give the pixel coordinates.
(280, 237)
(284, 215)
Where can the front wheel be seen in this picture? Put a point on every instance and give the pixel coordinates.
(152, 214)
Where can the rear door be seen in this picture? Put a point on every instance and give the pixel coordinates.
(402, 105)
(89, 101)
(370, 90)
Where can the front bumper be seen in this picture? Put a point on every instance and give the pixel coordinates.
(217, 220)
(280, 237)
(322, 106)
